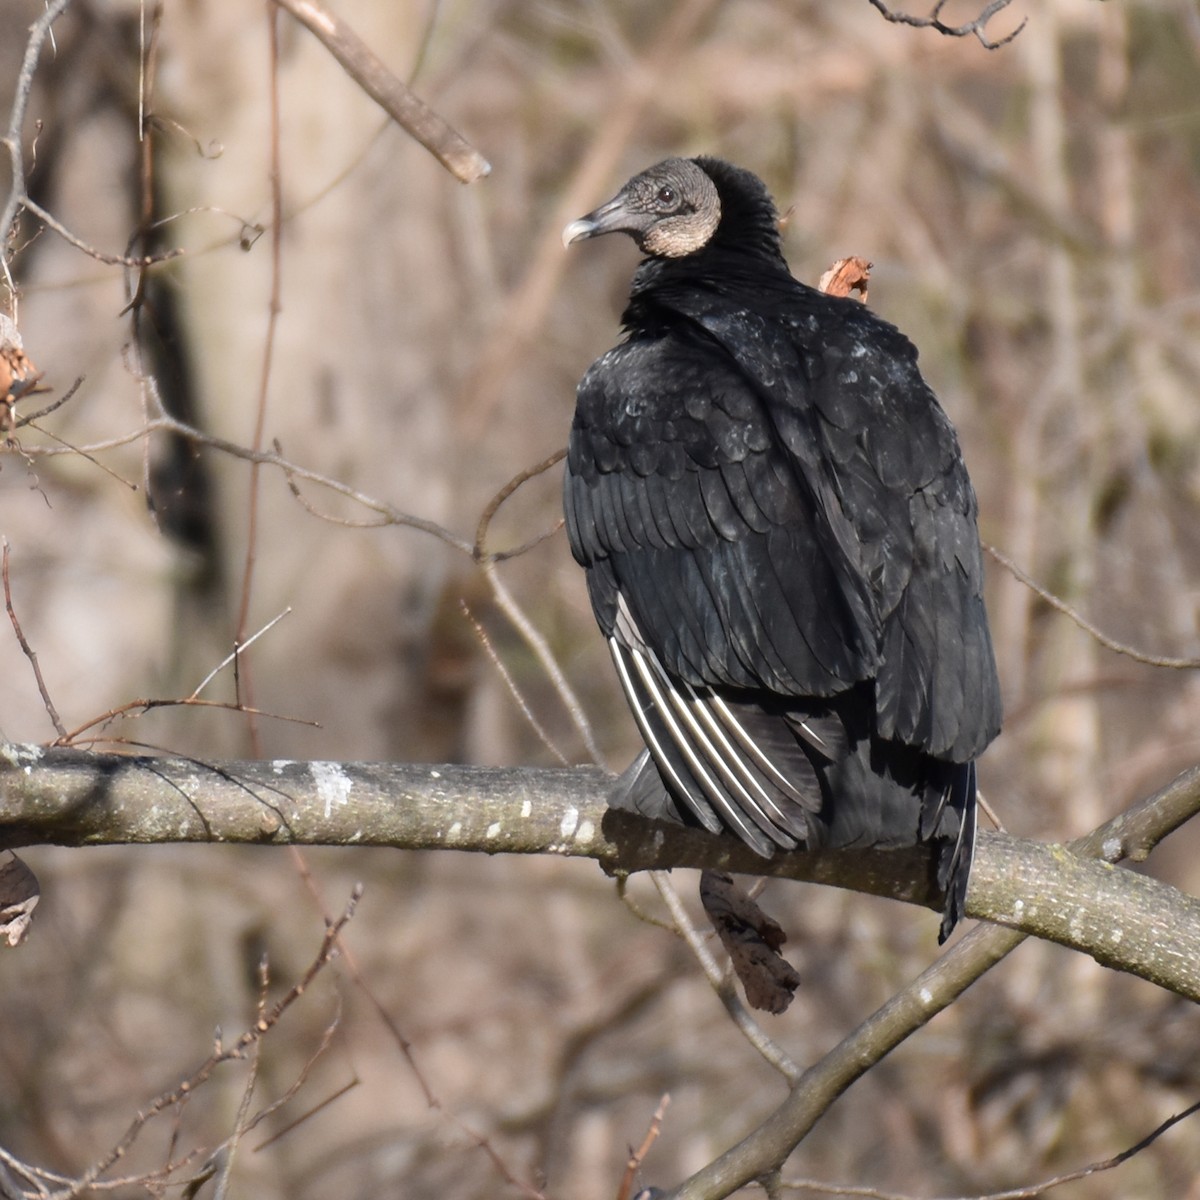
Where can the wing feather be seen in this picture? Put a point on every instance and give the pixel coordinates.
(687, 761)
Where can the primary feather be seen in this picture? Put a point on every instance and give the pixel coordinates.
(780, 542)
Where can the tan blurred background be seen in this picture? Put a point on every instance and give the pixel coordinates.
(1033, 216)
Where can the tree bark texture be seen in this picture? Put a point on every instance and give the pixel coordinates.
(1125, 920)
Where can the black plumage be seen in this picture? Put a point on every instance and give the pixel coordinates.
(780, 542)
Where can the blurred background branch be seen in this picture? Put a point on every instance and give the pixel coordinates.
(976, 27)
(446, 144)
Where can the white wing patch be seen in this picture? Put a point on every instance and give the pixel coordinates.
(705, 752)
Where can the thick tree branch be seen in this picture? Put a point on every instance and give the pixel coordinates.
(70, 797)
(1127, 921)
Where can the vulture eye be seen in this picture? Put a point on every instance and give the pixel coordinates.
(666, 196)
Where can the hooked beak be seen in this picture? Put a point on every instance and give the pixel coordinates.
(608, 218)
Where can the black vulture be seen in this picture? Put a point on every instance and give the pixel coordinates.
(780, 542)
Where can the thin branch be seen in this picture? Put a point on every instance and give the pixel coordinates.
(638, 1156)
(136, 262)
(241, 648)
(38, 32)
(768, 1146)
(448, 146)
(27, 649)
(350, 961)
(1030, 1192)
(228, 1151)
(534, 639)
(267, 1019)
(274, 307)
(317, 1108)
(976, 28)
(65, 398)
(494, 505)
(1109, 643)
(313, 511)
(432, 1100)
(145, 705)
(507, 604)
(165, 423)
(509, 682)
(125, 483)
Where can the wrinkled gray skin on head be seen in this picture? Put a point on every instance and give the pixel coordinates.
(670, 210)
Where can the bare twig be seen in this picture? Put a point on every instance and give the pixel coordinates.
(493, 507)
(502, 1168)
(125, 483)
(766, 1147)
(1109, 643)
(351, 963)
(275, 175)
(504, 493)
(239, 1050)
(165, 423)
(1031, 1192)
(65, 398)
(317, 1108)
(241, 648)
(509, 682)
(137, 261)
(976, 28)
(644, 915)
(38, 33)
(406, 1049)
(989, 812)
(145, 705)
(507, 604)
(27, 649)
(638, 1156)
(229, 1149)
(461, 159)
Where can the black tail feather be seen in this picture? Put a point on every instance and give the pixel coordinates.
(954, 870)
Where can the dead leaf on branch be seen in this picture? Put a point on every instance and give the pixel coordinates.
(845, 276)
(18, 375)
(19, 895)
(752, 940)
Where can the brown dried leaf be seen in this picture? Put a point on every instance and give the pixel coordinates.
(845, 276)
(752, 941)
(18, 375)
(19, 894)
